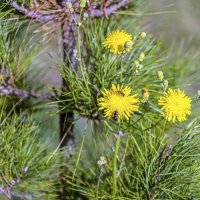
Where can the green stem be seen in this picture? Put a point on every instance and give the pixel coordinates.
(121, 70)
(165, 122)
(79, 54)
(115, 165)
(97, 189)
(78, 159)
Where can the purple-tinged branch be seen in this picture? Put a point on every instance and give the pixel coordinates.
(9, 90)
(32, 14)
(62, 2)
(110, 10)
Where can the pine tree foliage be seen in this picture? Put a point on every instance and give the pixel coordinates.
(149, 166)
(16, 57)
(26, 171)
(144, 157)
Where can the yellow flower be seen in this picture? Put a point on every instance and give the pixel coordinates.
(175, 105)
(118, 103)
(118, 42)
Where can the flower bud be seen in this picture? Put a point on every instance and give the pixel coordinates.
(141, 57)
(79, 24)
(165, 84)
(142, 35)
(136, 63)
(198, 94)
(75, 52)
(85, 16)
(160, 75)
(140, 66)
(102, 161)
(82, 3)
(145, 94)
(128, 45)
(68, 5)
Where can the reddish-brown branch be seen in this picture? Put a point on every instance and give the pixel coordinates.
(35, 15)
(110, 10)
(9, 90)
(61, 2)
(32, 14)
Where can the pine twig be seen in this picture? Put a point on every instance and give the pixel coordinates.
(32, 14)
(164, 158)
(110, 10)
(7, 190)
(10, 90)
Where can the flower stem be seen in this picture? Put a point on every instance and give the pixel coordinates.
(79, 54)
(115, 165)
(121, 65)
(97, 189)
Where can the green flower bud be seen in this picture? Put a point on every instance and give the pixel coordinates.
(136, 63)
(141, 57)
(165, 84)
(128, 45)
(82, 3)
(142, 35)
(79, 24)
(85, 16)
(69, 5)
(160, 75)
(102, 161)
(145, 94)
(75, 52)
(140, 66)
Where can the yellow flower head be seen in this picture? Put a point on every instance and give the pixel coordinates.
(118, 42)
(118, 103)
(175, 105)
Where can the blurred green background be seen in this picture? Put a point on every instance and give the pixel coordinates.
(174, 19)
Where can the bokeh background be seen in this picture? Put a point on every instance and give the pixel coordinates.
(174, 19)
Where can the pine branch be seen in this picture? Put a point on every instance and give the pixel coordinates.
(32, 14)
(48, 17)
(69, 30)
(110, 10)
(7, 190)
(10, 90)
(61, 2)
